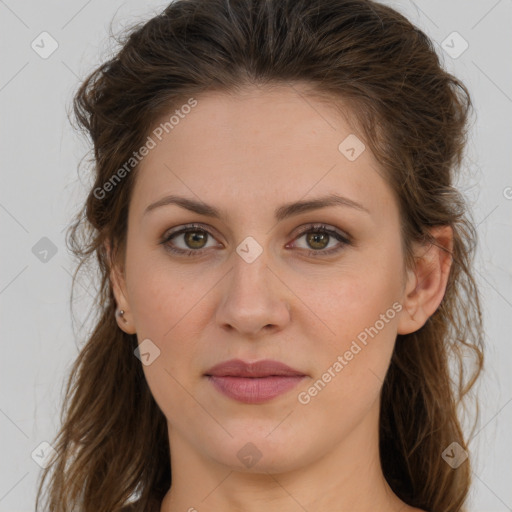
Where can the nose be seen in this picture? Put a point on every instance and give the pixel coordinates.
(254, 299)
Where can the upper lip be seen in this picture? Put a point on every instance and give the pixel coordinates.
(263, 368)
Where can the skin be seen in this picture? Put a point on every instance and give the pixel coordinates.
(248, 154)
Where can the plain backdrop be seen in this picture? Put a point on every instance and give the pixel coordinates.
(40, 191)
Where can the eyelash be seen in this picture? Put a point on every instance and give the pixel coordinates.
(314, 228)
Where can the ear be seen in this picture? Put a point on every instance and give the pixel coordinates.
(118, 283)
(426, 283)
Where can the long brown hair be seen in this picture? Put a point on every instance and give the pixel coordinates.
(414, 115)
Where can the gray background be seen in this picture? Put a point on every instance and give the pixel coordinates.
(40, 191)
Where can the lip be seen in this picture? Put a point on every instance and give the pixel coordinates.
(262, 368)
(253, 383)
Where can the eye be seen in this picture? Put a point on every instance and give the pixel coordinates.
(319, 236)
(193, 239)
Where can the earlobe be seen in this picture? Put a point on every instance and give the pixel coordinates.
(118, 284)
(426, 283)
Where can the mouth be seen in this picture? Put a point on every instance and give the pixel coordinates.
(253, 383)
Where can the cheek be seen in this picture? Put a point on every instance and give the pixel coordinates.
(169, 309)
(350, 366)
(154, 304)
(166, 308)
(354, 297)
(161, 295)
(359, 312)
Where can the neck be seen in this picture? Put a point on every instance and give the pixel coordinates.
(347, 478)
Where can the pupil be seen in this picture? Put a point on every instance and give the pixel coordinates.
(195, 236)
(316, 238)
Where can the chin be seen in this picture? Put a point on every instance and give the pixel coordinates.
(259, 454)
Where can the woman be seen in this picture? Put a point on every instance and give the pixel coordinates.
(285, 264)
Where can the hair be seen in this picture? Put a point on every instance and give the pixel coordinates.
(113, 445)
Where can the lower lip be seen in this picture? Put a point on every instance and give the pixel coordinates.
(254, 390)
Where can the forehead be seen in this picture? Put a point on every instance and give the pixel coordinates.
(259, 143)
(272, 118)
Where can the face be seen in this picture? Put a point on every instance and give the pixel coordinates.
(318, 289)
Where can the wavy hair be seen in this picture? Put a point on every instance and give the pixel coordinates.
(112, 447)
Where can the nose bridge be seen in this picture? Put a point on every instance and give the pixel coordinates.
(253, 297)
(250, 275)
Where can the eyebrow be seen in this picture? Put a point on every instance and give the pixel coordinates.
(281, 213)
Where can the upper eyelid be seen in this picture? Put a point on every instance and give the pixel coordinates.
(188, 227)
